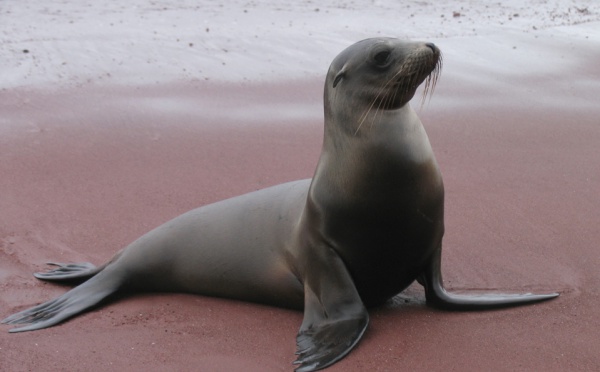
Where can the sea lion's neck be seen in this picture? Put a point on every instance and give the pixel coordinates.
(397, 133)
(370, 160)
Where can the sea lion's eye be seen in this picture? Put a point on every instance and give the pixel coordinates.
(382, 58)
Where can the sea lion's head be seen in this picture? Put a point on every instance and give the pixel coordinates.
(380, 74)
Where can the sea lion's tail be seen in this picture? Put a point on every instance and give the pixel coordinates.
(78, 299)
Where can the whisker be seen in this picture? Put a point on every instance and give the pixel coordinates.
(388, 99)
(366, 114)
(381, 103)
(415, 64)
(431, 81)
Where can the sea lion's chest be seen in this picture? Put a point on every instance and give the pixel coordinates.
(386, 232)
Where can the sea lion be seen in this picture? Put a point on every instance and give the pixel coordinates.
(367, 225)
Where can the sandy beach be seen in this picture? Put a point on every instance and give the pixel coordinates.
(115, 119)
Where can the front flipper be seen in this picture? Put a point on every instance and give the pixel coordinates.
(334, 315)
(438, 297)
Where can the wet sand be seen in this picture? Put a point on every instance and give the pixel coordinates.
(86, 169)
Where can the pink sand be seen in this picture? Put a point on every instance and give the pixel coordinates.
(86, 167)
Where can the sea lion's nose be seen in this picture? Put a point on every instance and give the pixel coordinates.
(431, 46)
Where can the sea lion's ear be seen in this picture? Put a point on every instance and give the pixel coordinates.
(340, 75)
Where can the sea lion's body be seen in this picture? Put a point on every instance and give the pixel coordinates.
(368, 224)
(235, 248)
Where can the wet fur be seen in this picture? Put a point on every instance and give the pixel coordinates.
(367, 225)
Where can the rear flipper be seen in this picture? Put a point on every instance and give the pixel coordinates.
(69, 304)
(438, 297)
(68, 272)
